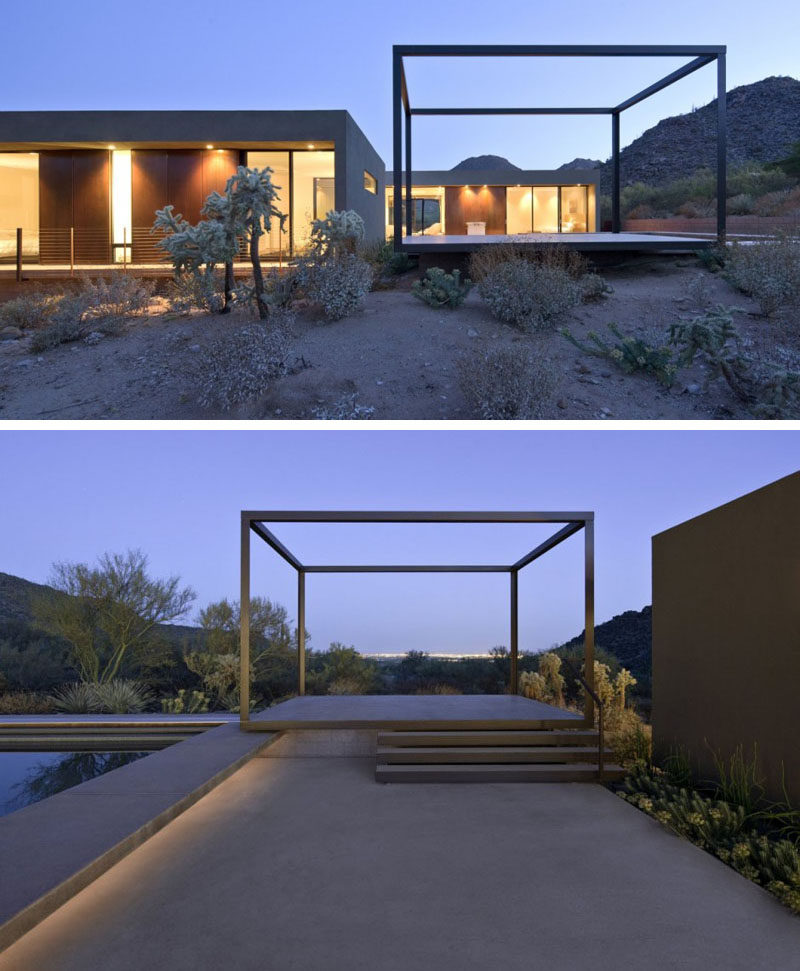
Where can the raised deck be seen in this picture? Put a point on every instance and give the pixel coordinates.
(412, 712)
(586, 242)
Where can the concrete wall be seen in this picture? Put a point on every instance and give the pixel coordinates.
(726, 633)
(359, 155)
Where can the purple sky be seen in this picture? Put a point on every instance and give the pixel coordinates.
(95, 54)
(70, 495)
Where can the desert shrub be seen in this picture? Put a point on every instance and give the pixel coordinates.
(338, 285)
(400, 263)
(441, 289)
(345, 408)
(119, 295)
(677, 766)
(31, 311)
(506, 383)
(280, 289)
(547, 683)
(775, 864)
(741, 205)
(25, 703)
(528, 295)
(77, 698)
(737, 779)
(632, 742)
(769, 272)
(186, 702)
(337, 233)
(486, 259)
(241, 365)
(698, 292)
(346, 686)
(593, 287)
(195, 291)
(629, 353)
(712, 258)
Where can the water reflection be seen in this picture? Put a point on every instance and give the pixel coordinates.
(52, 773)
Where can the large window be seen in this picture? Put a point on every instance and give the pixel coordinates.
(427, 212)
(312, 192)
(275, 242)
(547, 209)
(19, 203)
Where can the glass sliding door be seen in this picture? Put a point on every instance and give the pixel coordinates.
(19, 204)
(574, 209)
(519, 209)
(312, 192)
(545, 209)
(427, 214)
(275, 243)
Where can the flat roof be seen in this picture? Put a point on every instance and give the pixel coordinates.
(504, 177)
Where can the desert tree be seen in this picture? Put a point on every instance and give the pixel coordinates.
(197, 249)
(109, 613)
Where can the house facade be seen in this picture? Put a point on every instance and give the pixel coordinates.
(463, 202)
(83, 186)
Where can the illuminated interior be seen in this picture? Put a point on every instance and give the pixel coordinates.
(275, 242)
(574, 209)
(121, 205)
(19, 203)
(545, 209)
(428, 210)
(312, 192)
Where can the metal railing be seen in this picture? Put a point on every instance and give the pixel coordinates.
(600, 713)
(76, 246)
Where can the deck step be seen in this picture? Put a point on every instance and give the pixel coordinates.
(490, 754)
(496, 773)
(92, 743)
(491, 738)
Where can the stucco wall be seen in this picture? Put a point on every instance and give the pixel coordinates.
(359, 155)
(726, 633)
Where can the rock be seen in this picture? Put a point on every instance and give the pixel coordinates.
(11, 332)
(561, 404)
(694, 388)
(93, 338)
(194, 348)
(472, 332)
(583, 369)
(25, 362)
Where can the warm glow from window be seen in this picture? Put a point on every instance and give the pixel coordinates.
(209, 147)
(370, 183)
(121, 203)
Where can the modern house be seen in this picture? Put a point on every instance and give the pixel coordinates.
(511, 202)
(83, 186)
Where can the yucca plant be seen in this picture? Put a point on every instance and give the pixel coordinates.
(122, 696)
(77, 698)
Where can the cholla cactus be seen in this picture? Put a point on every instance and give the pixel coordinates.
(440, 289)
(550, 668)
(532, 685)
(337, 232)
(192, 249)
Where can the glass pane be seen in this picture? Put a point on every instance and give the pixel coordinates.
(427, 214)
(574, 215)
(121, 205)
(19, 203)
(519, 209)
(313, 192)
(370, 183)
(275, 242)
(545, 209)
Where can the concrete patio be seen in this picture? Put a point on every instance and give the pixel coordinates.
(306, 863)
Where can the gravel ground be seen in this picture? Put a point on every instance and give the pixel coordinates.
(396, 355)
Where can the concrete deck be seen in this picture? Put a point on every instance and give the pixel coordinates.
(52, 849)
(420, 712)
(581, 241)
(308, 864)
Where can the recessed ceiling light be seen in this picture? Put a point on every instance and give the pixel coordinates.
(209, 146)
(310, 146)
(111, 148)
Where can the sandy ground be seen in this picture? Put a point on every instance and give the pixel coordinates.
(396, 354)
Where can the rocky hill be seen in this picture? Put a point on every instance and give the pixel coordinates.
(486, 163)
(763, 122)
(629, 637)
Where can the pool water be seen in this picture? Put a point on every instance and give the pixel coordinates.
(27, 777)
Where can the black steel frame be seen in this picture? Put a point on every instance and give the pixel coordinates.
(572, 522)
(401, 106)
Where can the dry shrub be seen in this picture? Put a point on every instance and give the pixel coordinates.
(506, 383)
(25, 703)
(488, 258)
(769, 272)
(31, 311)
(241, 365)
(528, 294)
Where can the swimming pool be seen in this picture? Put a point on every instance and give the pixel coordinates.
(27, 777)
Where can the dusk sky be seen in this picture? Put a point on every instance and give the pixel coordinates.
(70, 495)
(90, 54)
